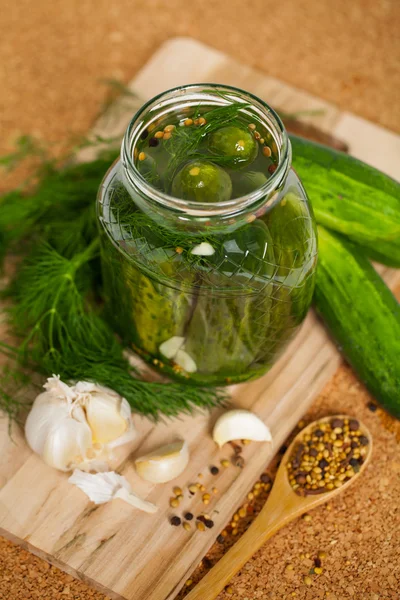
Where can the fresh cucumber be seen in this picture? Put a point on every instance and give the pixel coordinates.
(351, 198)
(362, 315)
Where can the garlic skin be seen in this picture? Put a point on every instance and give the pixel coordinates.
(240, 425)
(103, 487)
(164, 464)
(70, 426)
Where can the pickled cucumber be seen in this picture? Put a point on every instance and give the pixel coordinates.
(235, 143)
(202, 181)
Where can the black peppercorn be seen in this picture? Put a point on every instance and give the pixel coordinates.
(214, 470)
(220, 539)
(209, 523)
(363, 440)
(188, 516)
(353, 424)
(153, 142)
(175, 521)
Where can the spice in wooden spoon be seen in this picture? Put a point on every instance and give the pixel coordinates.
(303, 481)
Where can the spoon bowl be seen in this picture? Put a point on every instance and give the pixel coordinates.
(283, 505)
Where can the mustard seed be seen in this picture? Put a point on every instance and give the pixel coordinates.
(267, 151)
(142, 156)
(159, 135)
(186, 526)
(200, 526)
(188, 122)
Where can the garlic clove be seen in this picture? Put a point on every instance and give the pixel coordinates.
(203, 249)
(106, 418)
(45, 409)
(240, 425)
(164, 464)
(103, 487)
(66, 441)
(170, 347)
(184, 360)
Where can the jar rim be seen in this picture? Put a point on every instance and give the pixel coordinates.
(171, 98)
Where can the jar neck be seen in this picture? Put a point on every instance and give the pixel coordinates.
(194, 214)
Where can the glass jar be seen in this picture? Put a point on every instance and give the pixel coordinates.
(207, 292)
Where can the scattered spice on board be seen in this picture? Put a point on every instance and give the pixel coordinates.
(330, 454)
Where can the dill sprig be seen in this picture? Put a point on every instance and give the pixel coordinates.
(55, 291)
(62, 332)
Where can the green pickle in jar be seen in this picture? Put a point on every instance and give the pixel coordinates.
(208, 240)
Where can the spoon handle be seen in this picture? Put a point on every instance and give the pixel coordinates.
(281, 507)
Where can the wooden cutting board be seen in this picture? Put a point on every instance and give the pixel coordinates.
(121, 551)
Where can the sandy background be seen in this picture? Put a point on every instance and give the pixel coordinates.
(54, 58)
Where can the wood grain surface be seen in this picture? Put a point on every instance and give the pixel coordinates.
(125, 553)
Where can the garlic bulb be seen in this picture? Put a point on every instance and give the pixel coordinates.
(240, 425)
(77, 425)
(103, 487)
(163, 464)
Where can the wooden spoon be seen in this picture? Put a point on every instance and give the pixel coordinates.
(282, 506)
